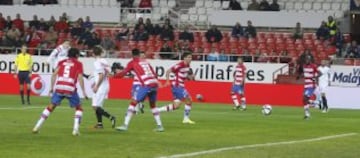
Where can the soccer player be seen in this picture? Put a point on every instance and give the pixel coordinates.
(324, 82)
(310, 76)
(148, 88)
(63, 85)
(58, 54)
(181, 71)
(101, 87)
(23, 67)
(237, 89)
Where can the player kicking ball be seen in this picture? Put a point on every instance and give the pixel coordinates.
(63, 86)
(101, 88)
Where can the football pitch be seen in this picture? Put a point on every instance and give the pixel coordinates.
(219, 132)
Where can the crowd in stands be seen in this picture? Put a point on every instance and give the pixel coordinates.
(254, 5)
(43, 2)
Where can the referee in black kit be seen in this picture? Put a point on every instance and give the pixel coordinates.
(23, 67)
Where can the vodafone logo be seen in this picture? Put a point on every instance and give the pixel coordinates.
(37, 85)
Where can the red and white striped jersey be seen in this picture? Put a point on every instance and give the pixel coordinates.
(142, 70)
(310, 73)
(69, 70)
(239, 74)
(181, 71)
(136, 79)
(58, 54)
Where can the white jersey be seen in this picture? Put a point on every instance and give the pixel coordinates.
(58, 54)
(102, 67)
(324, 79)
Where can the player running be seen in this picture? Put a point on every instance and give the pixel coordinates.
(63, 85)
(237, 89)
(324, 83)
(182, 72)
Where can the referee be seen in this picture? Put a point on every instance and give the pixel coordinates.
(23, 66)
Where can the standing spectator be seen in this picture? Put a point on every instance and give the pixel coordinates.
(322, 33)
(250, 30)
(237, 31)
(167, 34)
(35, 22)
(19, 23)
(264, 5)
(43, 26)
(254, 5)
(23, 68)
(234, 5)
(145, 4)
(274, 6)
(12, 36)
(186, 35)
(2, 22)
(298, 31)
(332, 26)
(168, 23)
(88, 23)
(61, 25)
(213, 35)
(8, 23)
(140, 22)
(52, 21)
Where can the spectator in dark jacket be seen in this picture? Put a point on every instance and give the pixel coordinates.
(166, 51)
(167, 34)
(35, 22)
(213, 35)
(141, 34)
(149, 27)
(274, 6)
(237, 31)
(186, 35)
(234, 5)
(322, 33)
(250, 30)
(264, 5)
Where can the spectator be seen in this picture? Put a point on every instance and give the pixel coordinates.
(145, 4)
(247, 57)
(298, 31)
(168, 23)
(254, 5)
(167, 34)
(8, 23)
(285, 57)
(332, 26)
(76, 31)
(263, 58)
(108, 44)
(93, 41)
(301, 60)
(35, 22)
(141, 34)
(353, 50)
(52, 21)
(50, 38)
(32, 39)
(85, 36)
(29, 2)
(123, 34)
(339, 42)
(185, 48)
(223, 56)
(19, 23)
(322, 33)
(88, 23)
(264, 6)
(234, 5)
(274, 6)
(213, 35)
(213, 55)
(13, 37)
(250, 30)
(2, 22)
(166, 51)
(186, 35)
(43, 26)
(65, 17)
(149, 26)
(61, 25)
(157, 29)
(140, 22)
(237, 31)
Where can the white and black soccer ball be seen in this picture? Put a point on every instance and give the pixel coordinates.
(199, 97)
(266, 109)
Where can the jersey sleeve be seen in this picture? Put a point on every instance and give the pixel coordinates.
(17, 60)
(175, 68)
(99, 68)
(127, 69)
(80, 68)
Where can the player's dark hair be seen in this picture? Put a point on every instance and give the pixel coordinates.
(73, 53)
(97, 50)
(135, 52)
(186, 54)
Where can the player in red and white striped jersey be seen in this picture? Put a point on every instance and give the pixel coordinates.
(310, 75)
(148, 88)
(66, 74)
(182, 72)
(237, 89)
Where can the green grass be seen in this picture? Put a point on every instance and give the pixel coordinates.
(217, 126)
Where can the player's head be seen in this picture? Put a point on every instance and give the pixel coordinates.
(240, 60)
(187, 57)
(142, 55)
(324, 62)
(66, 44)
(98, 50)
(73, 53)
(307, 59)
(135, 52)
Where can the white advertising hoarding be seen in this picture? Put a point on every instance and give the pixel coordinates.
(204, 71)
(345, 76)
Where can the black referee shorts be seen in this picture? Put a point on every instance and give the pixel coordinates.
(23, 77)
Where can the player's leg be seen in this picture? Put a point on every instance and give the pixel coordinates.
(187, 110)
(21, 86)
(234, 97)
(155, 111)
(308, 92)
(140, 96)
(74, 101)
(28, 81)
(97, 104)
(324, 102)
(177, 94)
(242, 98)
(55, 100)
(139, 108)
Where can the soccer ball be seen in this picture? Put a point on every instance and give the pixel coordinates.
(266, 109)
(199, 97)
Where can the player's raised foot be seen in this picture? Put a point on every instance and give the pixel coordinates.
(141, 108)
(188, 121)
(75, 133)
(122, 128)
(324, 111)
(306, 117)
(236, 107)
(113, 121)
(35, 131)
(99, 126)
(159, 128)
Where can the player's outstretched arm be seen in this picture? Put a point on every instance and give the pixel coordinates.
(167, 75)
(81, 82)
(53, 78)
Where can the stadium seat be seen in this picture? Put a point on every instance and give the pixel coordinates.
(326, 6)
(289, 6)
(335, 6)
(156, 10)
(193, 18)
(155, 3)
(217, 4)
(199, 3)
(171, 3)
(244, 4)
(345, 6)
(225, 4)
(203, 18)
(114, 3)
(209, 10)
(163, 3)
(192, 11)
(316, 6)
(208, 4)
(298, 6)
(184, 17)
(156, 17)
(307, 5)
(164, 11)
(201, 10)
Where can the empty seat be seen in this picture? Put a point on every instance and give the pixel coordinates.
(335, 6)
(184, 17)
(155, 3)
(203, 18)
(193, 18)
(156, 10)
(244, 4)
(289, 6)
(208, 4)
(201, 10)
(217, 4)
(209, 10)
(199, 3)
(192, 11)
(307, 5)
(163, 3)
(316, 6)
(345, 6)
(298, 6)
(326, 6)
(171, 3)
(156, 17)
(164, 10)
(225, 4)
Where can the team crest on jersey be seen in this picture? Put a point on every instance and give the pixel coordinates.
(37, 85)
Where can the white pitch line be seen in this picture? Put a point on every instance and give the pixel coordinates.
(258, 145)
(20, 108)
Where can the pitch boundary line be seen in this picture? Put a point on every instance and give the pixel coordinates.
(259, 145)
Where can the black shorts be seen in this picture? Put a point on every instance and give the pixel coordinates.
(23, 76)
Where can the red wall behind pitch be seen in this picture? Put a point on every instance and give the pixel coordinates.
(213, 92)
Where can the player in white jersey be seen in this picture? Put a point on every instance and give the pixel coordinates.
(323, 83)
(58, 54)
(101, 87)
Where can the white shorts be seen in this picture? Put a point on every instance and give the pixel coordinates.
(98, 99)
(323, 88)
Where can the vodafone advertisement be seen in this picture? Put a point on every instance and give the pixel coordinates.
(204, 71)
